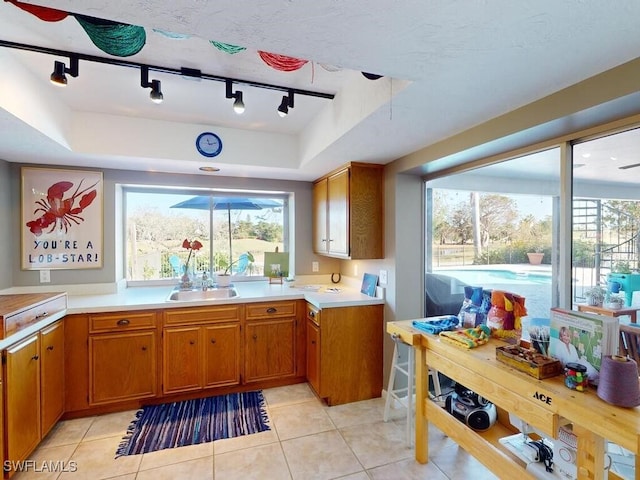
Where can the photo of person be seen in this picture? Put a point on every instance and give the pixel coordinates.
(565, 351)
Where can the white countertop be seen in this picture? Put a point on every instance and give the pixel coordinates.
(142, 298)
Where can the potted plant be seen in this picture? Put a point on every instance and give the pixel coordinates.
(244, 259)
(621, 267)
(535, 257)
(595, 296)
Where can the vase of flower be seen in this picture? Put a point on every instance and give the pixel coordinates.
(185, 280)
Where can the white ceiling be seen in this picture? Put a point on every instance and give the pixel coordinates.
(454, 64)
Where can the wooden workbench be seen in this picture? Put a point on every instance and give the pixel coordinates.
(545, 404)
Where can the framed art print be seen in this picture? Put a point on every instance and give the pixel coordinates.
(61, 219)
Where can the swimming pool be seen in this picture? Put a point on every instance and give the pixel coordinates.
(477, 276)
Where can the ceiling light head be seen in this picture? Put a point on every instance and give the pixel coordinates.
(58, 76)
(155, 86)
(156, 92)
(283, 109)
(286, 104)
(238, 105)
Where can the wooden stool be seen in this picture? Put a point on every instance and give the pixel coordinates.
(404, 395)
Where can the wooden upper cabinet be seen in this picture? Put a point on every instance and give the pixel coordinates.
(348, 216)
(320, 198)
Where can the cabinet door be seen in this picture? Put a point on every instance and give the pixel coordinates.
(320, 240)
(182, 359)
(52, 375)
(23, 398)
(123, 367)
(222, 355)
(338, 212)
(270, 349)
(313, 356)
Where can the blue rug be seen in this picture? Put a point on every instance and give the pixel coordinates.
(190, 422)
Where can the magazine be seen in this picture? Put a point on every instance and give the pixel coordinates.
(578, 337)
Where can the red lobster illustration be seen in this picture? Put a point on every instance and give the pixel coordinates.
(58, 211)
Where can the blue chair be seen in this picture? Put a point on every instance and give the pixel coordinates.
(176, 264)
(241, 265)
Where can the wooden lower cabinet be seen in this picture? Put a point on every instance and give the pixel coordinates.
(33, 390)
(221, 355)
(274, 343)
(344, 352)
(52, 375)
(270, 349)
(201, 348)
(313, 355)
(22, 398)
(123, 357)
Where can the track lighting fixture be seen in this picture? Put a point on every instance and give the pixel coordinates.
(286, 104)
(156, 89)
(238, 104)
(58, 76)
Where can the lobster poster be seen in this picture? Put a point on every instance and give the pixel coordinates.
(61, 219)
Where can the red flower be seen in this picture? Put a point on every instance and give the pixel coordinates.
(194, 245)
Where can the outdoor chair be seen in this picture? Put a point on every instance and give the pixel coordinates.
(630, 342)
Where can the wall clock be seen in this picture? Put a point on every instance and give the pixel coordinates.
(209, 144)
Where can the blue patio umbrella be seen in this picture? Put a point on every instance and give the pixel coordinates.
(212, 202)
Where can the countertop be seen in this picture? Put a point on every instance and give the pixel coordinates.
(150, 298)
(143, 298)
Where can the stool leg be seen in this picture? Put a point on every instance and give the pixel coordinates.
(392, 379)
(410, 382)
(436, 382)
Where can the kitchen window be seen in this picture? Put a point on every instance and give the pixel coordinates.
(234, 229)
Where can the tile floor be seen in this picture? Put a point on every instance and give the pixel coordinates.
(307, 441)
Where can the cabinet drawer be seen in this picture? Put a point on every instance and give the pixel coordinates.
(313, 314)
(122, 321)
(257, 311)
(23, 319)
(196, 315)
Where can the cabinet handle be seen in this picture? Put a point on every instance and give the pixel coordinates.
(213, 340)
(144, 348)
(123, 322)
(43, 314)
(272, 310)
(35, 357)
(313, 342)
(255, 337)
(312, 314)
(50, 347)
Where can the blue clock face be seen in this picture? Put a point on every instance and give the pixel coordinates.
(209, 144)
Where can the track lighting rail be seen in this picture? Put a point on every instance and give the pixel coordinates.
(183, 71)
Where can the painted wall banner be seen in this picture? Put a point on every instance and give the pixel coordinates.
(61, 219)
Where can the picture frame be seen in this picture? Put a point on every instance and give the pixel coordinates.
(276, 264)
(369, 284)
(61, 219)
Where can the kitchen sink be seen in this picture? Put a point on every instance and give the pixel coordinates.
(221, 293)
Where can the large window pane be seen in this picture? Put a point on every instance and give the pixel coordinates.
(493, 227)
(229, 227)
(606, 216)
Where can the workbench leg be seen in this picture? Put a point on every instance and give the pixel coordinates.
(591, 450)
(422, 394)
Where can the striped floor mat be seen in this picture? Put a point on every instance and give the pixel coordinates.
(190, 422)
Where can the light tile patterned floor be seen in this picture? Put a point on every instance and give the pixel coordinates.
(307, 441)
